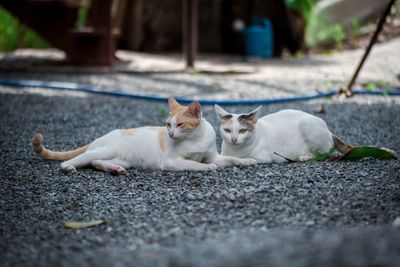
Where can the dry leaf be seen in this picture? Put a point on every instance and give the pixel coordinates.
(77, 225)
(320, 109)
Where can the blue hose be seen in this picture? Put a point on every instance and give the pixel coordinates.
(119, 93)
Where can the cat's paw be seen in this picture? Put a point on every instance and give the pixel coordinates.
(118, 170)
(209, 167)
(245, 162)
(304, 158)
(249, 161)
(68, 169)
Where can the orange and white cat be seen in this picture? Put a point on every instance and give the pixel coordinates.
(188, 142)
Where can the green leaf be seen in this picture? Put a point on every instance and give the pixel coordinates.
(77, 225)
(323, 156)
(366, 151)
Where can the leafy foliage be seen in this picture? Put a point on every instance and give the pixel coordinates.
(82, 17)
(14, 35)
(304, 7)
(319, 31)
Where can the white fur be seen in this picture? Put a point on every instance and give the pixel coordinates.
(293, 134)
(190, 150)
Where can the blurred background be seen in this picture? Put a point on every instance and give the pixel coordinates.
(89, 31)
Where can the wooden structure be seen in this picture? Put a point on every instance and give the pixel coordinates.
(206, 26)
(190, 21)
(56, 21)
(153, 25)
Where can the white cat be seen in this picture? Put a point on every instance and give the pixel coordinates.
(186, 143)
(277, 137)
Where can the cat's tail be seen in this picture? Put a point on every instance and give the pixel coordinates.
(341, 145)
(56, 155)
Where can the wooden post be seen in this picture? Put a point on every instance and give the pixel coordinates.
(109, 42)
(190, 20)
(136, 13)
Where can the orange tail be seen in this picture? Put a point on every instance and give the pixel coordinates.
(56, 155)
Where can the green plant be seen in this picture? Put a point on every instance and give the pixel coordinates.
(8, 31)
(82, 12)
(319, 31)
(32, 39)
(82, 17)
(15, 35)
(304, 7)
(355, 28)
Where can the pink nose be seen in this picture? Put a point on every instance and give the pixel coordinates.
(171, 134)
(234, 140)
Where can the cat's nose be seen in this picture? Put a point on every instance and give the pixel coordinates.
(234, 140)
(171, 134)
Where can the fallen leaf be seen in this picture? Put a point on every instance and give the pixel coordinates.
(320, 109)
(360, 152)
(77, 225)
(323, 156)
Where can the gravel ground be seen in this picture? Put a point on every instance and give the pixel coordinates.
(297, 214)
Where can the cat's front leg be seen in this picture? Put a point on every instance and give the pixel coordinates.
(225, 161)
(265, 157)
(181, 164)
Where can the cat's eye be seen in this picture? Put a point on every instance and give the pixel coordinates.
(168, 125)
(242, 131)
(179, 124)
(227, 130)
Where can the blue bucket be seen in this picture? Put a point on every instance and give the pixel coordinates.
(258, 39)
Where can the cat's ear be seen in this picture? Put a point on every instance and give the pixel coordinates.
(221, 113)
(173, 105)
(195, 109)
(251, 116)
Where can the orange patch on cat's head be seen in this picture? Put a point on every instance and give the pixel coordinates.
(186, 120)
(174, 106)
(189, 117)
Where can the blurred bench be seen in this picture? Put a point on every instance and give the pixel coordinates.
(56, 21)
